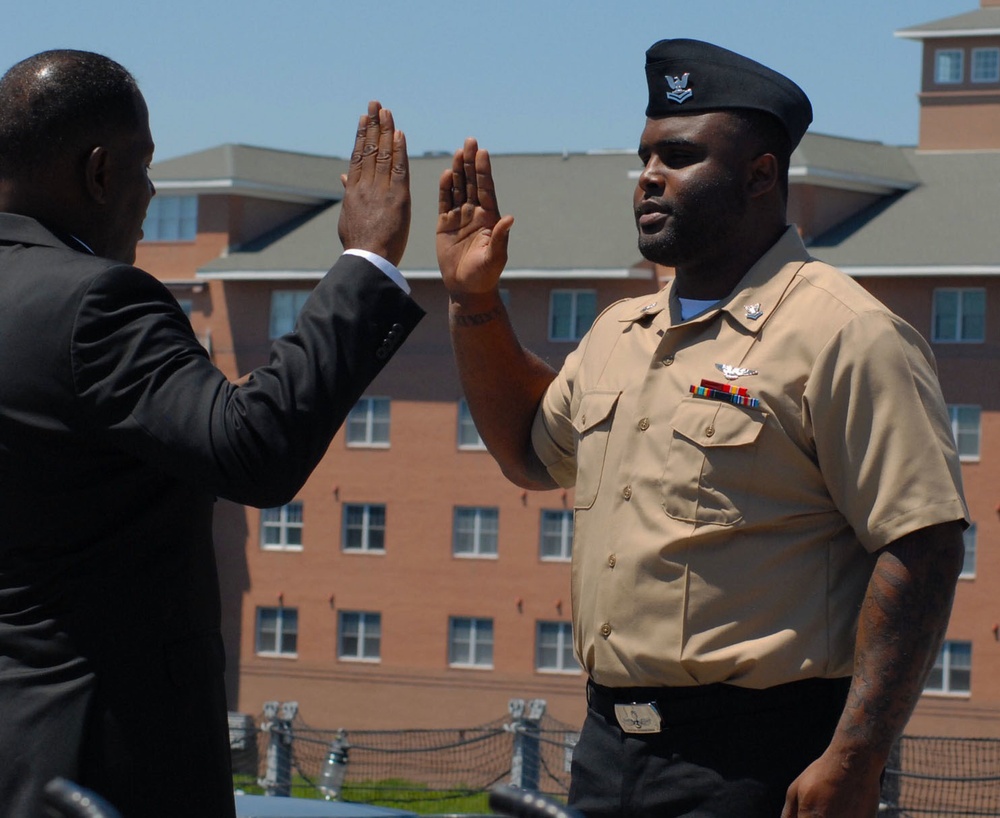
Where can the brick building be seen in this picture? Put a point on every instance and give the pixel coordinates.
(409, 584)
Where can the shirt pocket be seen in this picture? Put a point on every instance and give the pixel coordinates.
(592, 424)
(711, 463)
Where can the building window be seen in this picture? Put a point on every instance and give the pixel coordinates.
(959, 315)
(470, 642)
(985, 65)
(554, 648)
(285, 308)
(171, 218)
(557, 535)
(969, 563)
(277, 631)
(368, 423)
(281, 528)
(468, 435)
(364, 528)
(571, 312)
(475, 532)
(952, 672)
(360, 636)
(948, 66)
(965, 430)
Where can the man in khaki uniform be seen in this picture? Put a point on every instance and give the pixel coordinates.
(768, 499)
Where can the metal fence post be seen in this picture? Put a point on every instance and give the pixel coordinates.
(278, 723)
(525, 763)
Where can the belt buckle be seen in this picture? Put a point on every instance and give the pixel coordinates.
(638, 717)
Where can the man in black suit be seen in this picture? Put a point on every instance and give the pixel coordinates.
(117, 434)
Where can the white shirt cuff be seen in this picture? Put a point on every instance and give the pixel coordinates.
(386, 267)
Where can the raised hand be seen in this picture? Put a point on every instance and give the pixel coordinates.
(471, 235)
(375, 214)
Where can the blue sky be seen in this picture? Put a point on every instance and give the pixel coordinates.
(521, 75)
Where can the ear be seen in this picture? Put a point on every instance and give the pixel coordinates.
(763, 174)
(97, 179)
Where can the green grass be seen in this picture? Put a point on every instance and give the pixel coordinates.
(395, 793)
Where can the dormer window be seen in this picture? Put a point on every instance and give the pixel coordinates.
(948, 66)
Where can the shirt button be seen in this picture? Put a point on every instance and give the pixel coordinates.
(605, 630)
(627, 492)
(612, 560)
(643, 424)
(709, 431)
(668, 360)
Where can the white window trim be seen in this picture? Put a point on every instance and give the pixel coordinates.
(565, 632)
(369, 408)
(972, 66)
(961, 66)
(477, 534)
(367, 528)
(953, 409)
(565, 515)
(346, 657)
(473, 642)
(970, 534)
(276, 654)
(958, 317)
(465, 412)
(283, 526)
(572, 338)
(946, 671)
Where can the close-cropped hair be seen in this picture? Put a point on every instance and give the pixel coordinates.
(768, 135)
(61, 101)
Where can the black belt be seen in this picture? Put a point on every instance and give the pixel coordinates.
(683, 705)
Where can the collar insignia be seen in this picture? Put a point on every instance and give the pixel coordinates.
(679, 92)
(753, 311)
(734, 372)
(648, 307)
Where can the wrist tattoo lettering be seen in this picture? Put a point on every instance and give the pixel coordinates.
(478, 318)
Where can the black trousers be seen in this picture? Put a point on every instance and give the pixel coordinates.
(723, 752)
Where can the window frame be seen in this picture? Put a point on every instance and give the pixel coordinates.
(948, 665)
(366, 528)
(960, 316)
(994, 76)
(365, 621)
(283, 526)
(565, 536)
(280, 634)
(369, 405)
(961, 432)
(565, 663)
(277, 328)
(465, 422)
(183, 224)
(969, 537)
(474, 643)
(477, 533)
(576, 331)
(941, 54)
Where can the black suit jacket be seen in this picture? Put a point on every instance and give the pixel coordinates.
(116, 435)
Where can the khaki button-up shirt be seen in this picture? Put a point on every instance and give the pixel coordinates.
(743, 536)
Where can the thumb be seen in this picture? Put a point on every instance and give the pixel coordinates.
(500, 236)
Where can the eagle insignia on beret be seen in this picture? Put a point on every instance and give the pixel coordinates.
(678, 88)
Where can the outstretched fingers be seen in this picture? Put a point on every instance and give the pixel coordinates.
(366, 143)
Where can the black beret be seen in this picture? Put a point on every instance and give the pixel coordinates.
(689, 76)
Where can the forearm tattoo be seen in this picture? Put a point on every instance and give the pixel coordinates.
(477, 318)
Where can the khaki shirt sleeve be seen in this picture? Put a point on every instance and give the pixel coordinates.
(882, 432)
(552, 434)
